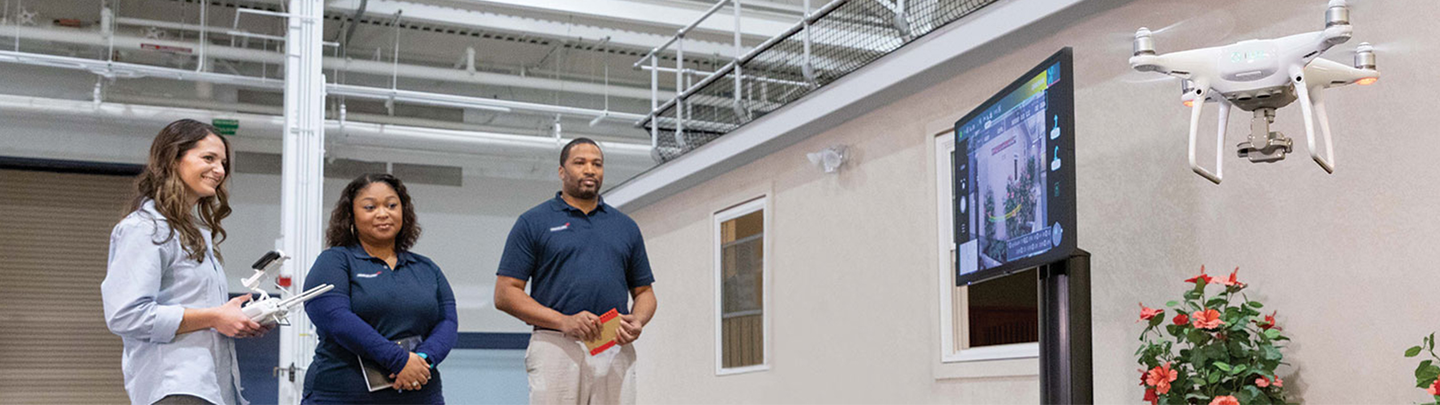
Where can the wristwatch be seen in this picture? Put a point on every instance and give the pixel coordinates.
(425, 357)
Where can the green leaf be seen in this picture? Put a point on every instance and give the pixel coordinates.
(1157, 319)
(1222, 366)
(1271, 353)
(1272, 333)
(1255, 304)
(1239, 368)
(1196, 336)
(1171, 303)
(1217, 302)
(1192, 295)
(1425, 375)
(1412, 352)
(1214, 378)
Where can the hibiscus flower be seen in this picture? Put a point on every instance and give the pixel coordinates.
(1232, 282)
(1151, 397)
(1269, 321)
(1225, 400)
(1202, 277)
(1147, 313)
(1206, 319)
(1434, 388)
(1181, 319)
(1160, 378)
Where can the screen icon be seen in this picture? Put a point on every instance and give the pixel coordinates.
(1055, 163)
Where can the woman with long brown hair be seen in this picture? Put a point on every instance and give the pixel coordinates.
(165, 292)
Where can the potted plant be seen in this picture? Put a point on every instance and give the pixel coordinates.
(1218, 349)
(1427, 375)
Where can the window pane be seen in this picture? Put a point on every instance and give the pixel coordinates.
(742, 290)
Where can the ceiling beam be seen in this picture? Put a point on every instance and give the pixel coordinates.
(758, 26)
(453, 16)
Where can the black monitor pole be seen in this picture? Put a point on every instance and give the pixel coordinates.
(1065, 368)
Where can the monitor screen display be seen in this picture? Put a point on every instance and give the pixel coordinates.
(1015, 176)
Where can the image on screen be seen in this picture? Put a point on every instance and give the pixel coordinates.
(1012, 153)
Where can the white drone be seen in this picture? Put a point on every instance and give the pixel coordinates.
(1260, 76)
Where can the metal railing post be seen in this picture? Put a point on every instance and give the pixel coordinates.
(654, 102)
(679, 85)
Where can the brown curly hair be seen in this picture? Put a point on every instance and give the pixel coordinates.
(161, 182)
(342, 219)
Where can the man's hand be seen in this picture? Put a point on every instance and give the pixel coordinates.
(414, 376)
(584, 326)
(629, 330)
(229, 321)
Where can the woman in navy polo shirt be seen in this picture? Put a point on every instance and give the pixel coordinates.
(383, 294)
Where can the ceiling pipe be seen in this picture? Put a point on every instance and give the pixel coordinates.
(349, 133)
(386, 69)
(131, 70)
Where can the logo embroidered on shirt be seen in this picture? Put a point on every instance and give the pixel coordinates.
(363, 275)
(560, 228)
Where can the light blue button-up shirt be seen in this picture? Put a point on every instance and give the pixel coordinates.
(146, 290)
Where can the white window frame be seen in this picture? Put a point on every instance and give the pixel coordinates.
(746, 208)
(944, 183)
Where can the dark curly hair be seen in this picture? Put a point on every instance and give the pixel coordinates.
(342, 219)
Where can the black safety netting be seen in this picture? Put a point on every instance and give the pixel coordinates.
(842, 40)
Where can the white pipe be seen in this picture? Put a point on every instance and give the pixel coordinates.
(121, 69)
(349, 65)
(350, 132)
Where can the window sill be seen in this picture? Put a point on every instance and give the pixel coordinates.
(742, 370)
(1018, 360)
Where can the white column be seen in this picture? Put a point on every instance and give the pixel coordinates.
(302, 181)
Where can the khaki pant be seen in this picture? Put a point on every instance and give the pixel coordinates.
(562, 371)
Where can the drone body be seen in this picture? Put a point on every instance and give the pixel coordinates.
(1261, 76)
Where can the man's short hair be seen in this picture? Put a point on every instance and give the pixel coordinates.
(565, 153)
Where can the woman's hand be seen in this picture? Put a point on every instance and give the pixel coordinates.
(415, 374)
(228, 320)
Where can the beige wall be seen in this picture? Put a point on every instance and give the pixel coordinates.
(1343, 257)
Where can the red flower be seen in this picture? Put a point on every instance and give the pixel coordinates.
(1155, 399)
(1225, 400)
(1262, 382)
(1160, 378)
(1278, 382)
(1434, 388)
(1147, 313)
(1202, 277)
(1232, 282)
(1269, 321)
(1181, 319)
(1206, 319)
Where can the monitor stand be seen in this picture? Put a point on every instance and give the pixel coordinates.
(1065, 363)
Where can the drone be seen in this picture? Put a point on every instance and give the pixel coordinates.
(1260, 76)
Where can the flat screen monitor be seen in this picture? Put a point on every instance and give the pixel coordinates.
(1015, 175)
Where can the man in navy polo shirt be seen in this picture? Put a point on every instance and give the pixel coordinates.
(585, 258)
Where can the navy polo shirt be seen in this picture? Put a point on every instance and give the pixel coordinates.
(574, 261)
(371, 306)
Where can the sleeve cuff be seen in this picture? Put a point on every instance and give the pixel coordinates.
(167, 321)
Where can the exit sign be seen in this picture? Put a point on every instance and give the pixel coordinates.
(226, 126)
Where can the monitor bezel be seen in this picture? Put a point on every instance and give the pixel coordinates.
(1063, 101)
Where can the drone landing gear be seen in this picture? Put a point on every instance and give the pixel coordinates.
(1264, 146)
